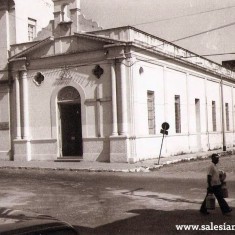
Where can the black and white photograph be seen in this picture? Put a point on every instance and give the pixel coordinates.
(117, 117)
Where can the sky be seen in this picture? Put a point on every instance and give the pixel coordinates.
(172, 20)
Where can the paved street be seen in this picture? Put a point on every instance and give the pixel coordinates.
(119, 203)
(110, 113)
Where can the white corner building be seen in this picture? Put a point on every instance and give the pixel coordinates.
(72, 90)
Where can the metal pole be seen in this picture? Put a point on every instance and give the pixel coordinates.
(161, 147)
(223, 122)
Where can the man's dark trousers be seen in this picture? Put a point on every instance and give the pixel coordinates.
(217, 190)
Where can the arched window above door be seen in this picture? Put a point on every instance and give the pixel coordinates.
(69, 94)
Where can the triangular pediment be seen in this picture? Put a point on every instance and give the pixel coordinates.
(79, 42)
(25, 49)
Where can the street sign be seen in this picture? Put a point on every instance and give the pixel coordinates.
(165, 127)
(162, 131)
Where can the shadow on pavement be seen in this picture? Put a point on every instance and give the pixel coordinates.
(149, 222)
(8, 215)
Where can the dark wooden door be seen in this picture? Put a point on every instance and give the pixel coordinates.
(71, 129)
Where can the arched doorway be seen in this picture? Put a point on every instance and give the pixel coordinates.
(70, 125)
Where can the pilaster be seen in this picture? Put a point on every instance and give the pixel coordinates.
(17, 105)
(114, 99)
(25, 104)
(123, 94)
(22, 146)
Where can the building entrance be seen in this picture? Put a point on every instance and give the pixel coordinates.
(71, 132)
(70, 125)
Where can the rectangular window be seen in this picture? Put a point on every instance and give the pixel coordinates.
(151, 112)
(31, 29)
(227, 116)
(198, 115)
(177, 114)
(214, 116)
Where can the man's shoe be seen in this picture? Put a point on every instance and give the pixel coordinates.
(228, 212)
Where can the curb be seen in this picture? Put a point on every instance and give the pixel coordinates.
(144, 169)
(189, 159)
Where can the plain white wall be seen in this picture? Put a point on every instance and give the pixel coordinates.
(40, 10)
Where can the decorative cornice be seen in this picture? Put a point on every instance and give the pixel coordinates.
(19, 64)
(98, 38)
(18, 59)
(115, 45)
(154, 44)
(75, 9)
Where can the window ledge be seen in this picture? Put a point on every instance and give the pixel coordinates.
(66, 22)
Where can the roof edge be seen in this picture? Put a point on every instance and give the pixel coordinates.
(32, 48)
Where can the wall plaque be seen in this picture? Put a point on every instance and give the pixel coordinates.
(4, 126)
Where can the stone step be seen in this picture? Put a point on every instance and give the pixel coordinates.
(69, 159)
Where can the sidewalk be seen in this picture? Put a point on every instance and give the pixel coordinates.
(142, 166)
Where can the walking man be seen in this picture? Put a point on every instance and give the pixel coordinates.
(214, 186)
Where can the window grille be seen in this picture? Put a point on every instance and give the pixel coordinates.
(198, 115)
(69, 94)
(227, 116)
(177, 114)
(214, 116)
(151, 112)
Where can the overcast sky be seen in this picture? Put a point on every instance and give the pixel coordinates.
(172, 20)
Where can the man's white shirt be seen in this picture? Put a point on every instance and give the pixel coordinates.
(213, 171)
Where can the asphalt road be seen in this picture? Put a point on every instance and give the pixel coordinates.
(119, 203)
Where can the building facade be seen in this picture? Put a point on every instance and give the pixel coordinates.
(78, 91)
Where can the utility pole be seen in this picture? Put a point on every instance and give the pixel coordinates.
(222, 107)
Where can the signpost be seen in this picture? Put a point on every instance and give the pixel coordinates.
(164, 131)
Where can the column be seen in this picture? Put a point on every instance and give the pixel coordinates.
(114, 100)
(17, 100)
(123, 126)
(25, 104)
